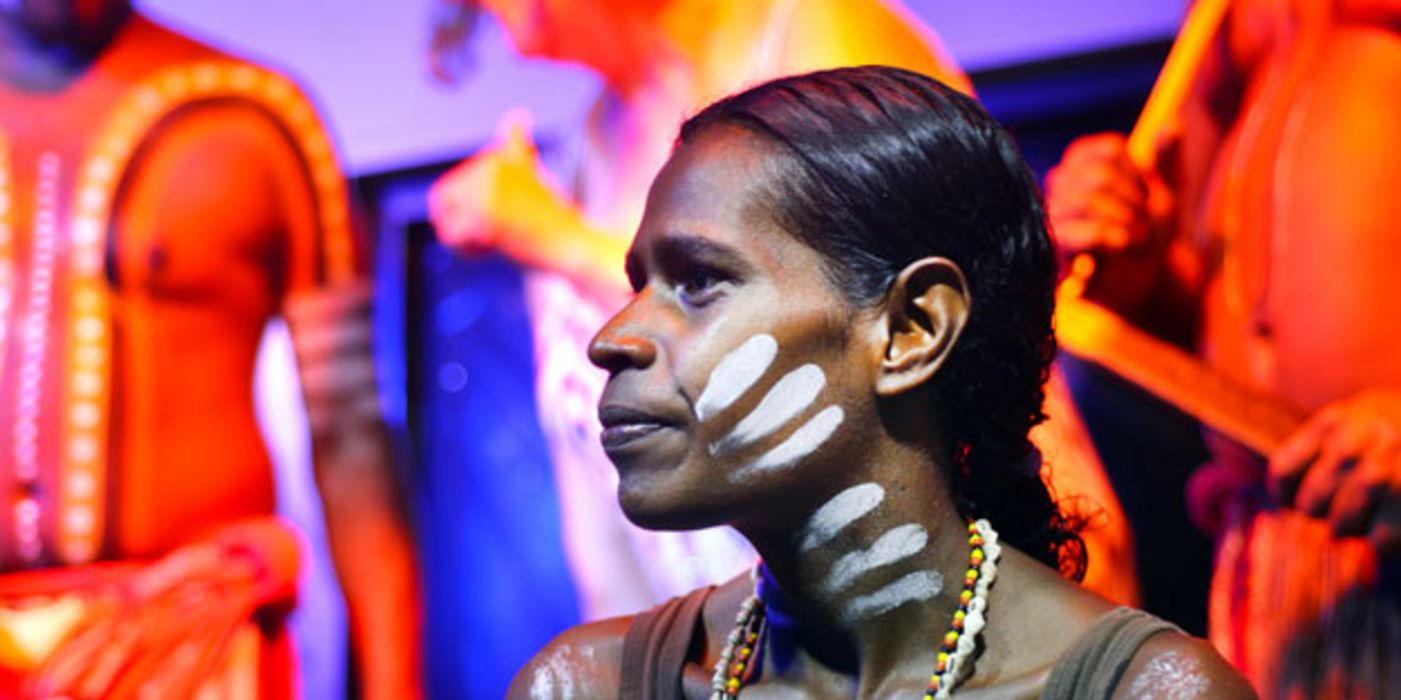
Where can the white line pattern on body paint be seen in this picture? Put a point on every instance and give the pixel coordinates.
(735, 374)
(899, 543)
(916, 586)
(844, 509)
(803, 442)
(1168, 676)
(788, 399)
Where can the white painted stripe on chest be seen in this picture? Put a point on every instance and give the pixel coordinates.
(785, 401)
(913, 587)
(803, 442)
(736, 373)
(899, 543)
(844, 509)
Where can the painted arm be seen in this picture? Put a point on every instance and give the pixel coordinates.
(833, 33)
(328, 311)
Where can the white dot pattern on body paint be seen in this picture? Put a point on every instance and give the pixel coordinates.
(1169, 676)
(803, 442)
(899, 543)
(785, 401)
(844, 509)
(910, 588)
(735, 374)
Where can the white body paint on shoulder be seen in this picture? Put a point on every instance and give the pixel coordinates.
(554, 679)
(788, 399)
(735, 374)
(1169, 676)
(803, 442)
(913, 587)
(899, 543)
(844, 509)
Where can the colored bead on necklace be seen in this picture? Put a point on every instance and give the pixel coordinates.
(738, 661)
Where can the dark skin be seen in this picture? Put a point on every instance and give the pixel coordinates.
(711, 268)
(204, 257)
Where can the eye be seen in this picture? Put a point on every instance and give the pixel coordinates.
(698, 284)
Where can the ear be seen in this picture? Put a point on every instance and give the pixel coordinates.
(926, 310)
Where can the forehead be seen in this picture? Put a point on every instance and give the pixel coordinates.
(718, 185)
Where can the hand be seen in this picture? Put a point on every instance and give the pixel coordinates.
(332, 334)
(494, 198)
(1344, 464)
(1096, 198)
(162, 631)
(1099, 203)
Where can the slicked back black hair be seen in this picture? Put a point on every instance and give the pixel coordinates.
(885, 167)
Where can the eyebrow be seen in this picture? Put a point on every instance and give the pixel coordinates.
(678, 246)
(681, 245)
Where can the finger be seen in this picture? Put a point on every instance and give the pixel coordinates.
(1385, 534)
(1122, 218)
(1289, 464)
(353, 299)
(65, 666)
(1069, 187)
(1385, 531)
(329, 341)
(1360, 493)
(1340, 453)
(101, 671)
(1088, 236)
(1102, 146)
(338, 378)
(513, 133)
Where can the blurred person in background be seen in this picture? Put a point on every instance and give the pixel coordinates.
(160, 203)
(1266, 239)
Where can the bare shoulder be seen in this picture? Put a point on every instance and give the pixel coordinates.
(1174, 665)
(582, 662)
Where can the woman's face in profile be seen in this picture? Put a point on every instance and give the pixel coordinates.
(738, 369)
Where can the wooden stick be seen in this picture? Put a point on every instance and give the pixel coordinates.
(1255, 419)
(1184, 62)
(1251, 417)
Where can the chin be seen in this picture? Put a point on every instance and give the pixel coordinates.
(652, 505)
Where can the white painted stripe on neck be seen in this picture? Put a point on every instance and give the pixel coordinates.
(736, 373)
(917, 586)
(803, 442)
(844, 509)
(793, 395)
(899, 543)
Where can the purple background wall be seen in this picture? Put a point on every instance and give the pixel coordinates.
(364, 61)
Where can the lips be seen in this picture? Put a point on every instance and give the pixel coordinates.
(623, 425)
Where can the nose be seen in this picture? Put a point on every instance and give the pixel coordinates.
(619, 346)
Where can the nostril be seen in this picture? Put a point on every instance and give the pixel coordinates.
(617, 352)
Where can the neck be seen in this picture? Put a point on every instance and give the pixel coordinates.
(46, 54)
(873, 576)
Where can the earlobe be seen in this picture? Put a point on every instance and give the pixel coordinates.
(926, 310)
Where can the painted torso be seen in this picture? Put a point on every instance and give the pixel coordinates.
(1301, 209)
(206, 227)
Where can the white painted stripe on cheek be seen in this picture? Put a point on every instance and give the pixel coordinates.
(899, 543)
(803, 442)
(920, 585)
(735, 373)
(788, 399)
(844, 509)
